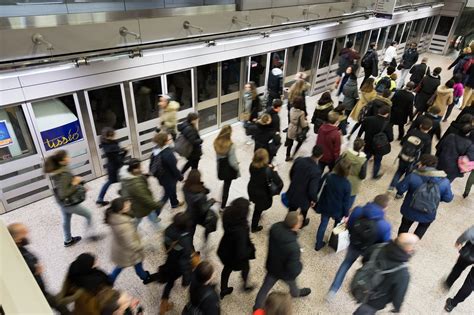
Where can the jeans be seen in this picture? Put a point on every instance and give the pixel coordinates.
(103, 190)
(403, 169)
(377, 163)
(352, 200)
(466, 289)
(153, 217)
(365, 309)
(351, 256)
(226, 274)
(268, 284)
(469, 183)
(289, 145)
(193, 164)
(322, 229)
(67, 214)
(401, 80)
(225, 192)
(458, 268)
(419, 231)
(170, 193)
(142, 274)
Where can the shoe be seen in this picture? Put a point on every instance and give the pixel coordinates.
(285, 130)
(379, 176)
(330, 296)
(165, 306)
(305, 223)
(257, 229)
(180, 204)
(349, 136)
(102, 203)
(390, 189)
(148, 279)
(73, 241)
(445, 120)
(318, 248)
(398, 196)
(304, 292)
(465, 195)
(448, 307)
(248, 287)
(226, 292)
(288, 158)
(95, 237)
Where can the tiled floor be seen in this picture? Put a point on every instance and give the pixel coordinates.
(434, 257)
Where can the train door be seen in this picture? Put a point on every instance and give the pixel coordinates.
(206, 80)
(229, 91)
(323, 51)
(299, 59)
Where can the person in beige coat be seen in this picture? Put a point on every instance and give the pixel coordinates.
(168, 114)
(298, 126)
(444, 96)
(126, 249)
(367, 94)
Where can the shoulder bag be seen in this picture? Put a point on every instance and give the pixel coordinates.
(301, 134)
(274, 182)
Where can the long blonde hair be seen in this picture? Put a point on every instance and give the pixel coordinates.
(297, 89)
(223, 142)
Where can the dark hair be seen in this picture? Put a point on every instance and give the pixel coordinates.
(317, 151)
(343, 168)
(107, 132)
(278, 303)
(80, 267)
(384, 110)
(133, 164)
(115, 207)
(298, 103)
(457, 78)
(390, 70)
(325, 98)
(449, 84)
(429, 160)
(236, 214)
(277, 103)
(372, 45)
(192, 117)
(193, 182)
(353, 76)
(465, 119)
(437, 71)
(53, 162)
(333, 117)
(410, 85)
(386, 93)
(465, 129)
(359, 144)
(435, 110)
(393, 43)
(204, 272)
(349, 44)
(426, 124)
(382, 200)
(182, 221)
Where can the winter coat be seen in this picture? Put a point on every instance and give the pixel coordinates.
(409, 58)
(411, 183)
(435, 130)
(428, 87)
(275, 120)
(334, 201)
(444, 97)
(252, 106)
(136, 189)
(284, 254)
(169, 174)
(169, 118)
(374, 60)
(469, 80)
(62, 182)
(297, 123)
(418, 72)
(449, 150)
(365, 98)
(231, 159)
(376, 104)
(394, 285)
(32, 262)
(263, 135)
(461, 64)
(204, 297)
(192, 135)
(115, 156)
(372, 211)
(372, 126)
(329, 137)
(235, 248)
(402, 107)
(393, 83)
(179, 247)
(257, 187)
(305, 176)
(357, 160)
(424, 137)
(126, 249)
(196, 205)
(390, 54)
(321, 112)
(347, 57)
(351, 94)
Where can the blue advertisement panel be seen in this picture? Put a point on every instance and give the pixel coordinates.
(5, 138)
(62, 135)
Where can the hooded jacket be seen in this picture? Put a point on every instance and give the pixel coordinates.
(411, 183)
(435, 130)
(126, 249)
(372, 126)
(329, 137)
(168, 116)
(136, 189)
(305, 176)
(192, 135)
(374, 62)
(351, 94)
(372, 211)
(321, 111)
(357, 160)
(297, 123)
(264, 134)
(449, 150)
(365, 98)
(115, 156)
(283, 259)
(195, 202)
(444, 97)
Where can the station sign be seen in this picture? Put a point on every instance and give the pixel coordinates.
(384, 8)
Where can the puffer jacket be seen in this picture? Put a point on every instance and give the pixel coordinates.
(169, 118)
(321, 111)
(192, 135)
(297, 123)
(351, 94)
(411, 183)
(126, 249)
(136, 189)
(444, 97)
(357, 160)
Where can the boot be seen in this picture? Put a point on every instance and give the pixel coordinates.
(165, 306)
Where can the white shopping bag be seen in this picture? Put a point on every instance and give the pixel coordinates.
(339, 239)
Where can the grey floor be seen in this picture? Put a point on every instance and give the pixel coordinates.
(433, 260)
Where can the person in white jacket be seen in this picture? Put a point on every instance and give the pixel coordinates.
(390, 58)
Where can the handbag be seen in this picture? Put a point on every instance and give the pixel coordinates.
(274, 182)
(467, 252)
(76, 198)
(302, 135)
(182, 146)
(339, 239)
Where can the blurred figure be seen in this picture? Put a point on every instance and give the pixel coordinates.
(444, 96)
(390, 57)
(329, 138)
(359, 112)
(265, 136)
(274, 82)
(251, 101)
(358, 172)
(320, 115)
(168, 114)
(463, 293)
(203, 295)
(113, 302)
(297, 128)
(297, 89)
(427, 88)
(370, 63)
(277, 303)
(348, 56)
(402, 108)
(409, 58)
(458, 91)
(419, 71)
(190, 130)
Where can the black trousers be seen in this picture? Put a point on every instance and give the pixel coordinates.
(458, 268)
(448, 111)
(322, 166)
(419, 231)
(289, 145)
(367, 74)
(225, 192)
(226, 274)
(401, 131)
(257, 213)
(190, 164)
(356, 126)
(466, 289)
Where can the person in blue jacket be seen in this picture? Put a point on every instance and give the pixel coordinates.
(426, 170)
(335, 199)
(373, 211)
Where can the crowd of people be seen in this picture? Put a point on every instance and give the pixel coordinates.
(328, 181)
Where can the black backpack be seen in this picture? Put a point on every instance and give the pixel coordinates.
(383, 84)
(411, 149)
(366, 61)
(380, 143)
(156, 165)
(363, 233)
(427, 197)
(190, 309)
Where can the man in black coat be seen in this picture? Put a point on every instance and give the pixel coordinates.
(283, 259)
(433, 115)
(419, 71)
(409, 58)
(402, 108)
(428, 87)
(274, 112)
(305, 175)
(372, 126)
(370, 62)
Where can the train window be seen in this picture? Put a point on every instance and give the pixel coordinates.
(179, 84)
(277, 59)
(373, 36)
(325, 56)
(428, 25)
(208, 117)
(293, 56)
(383, 33)
(207, 82)
(405, 32)
(337, 49)
(147, 93)
(413, 33)
(257, 69)
(359, 39)
(307, 56)
(230, 110)
(444, 25)
(391, 35)
(15, 136)
(107, 108)
(230, 76)
(399, 33)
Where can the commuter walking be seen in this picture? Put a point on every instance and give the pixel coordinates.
(458, 91)
(409, 58)
(305, 177)
(274, 82)
(360, 110)
(283, 259)
(358, 161)
(69, 192)
(444, 96)
(426, 187)
(465, 245)
(265, 136)
(419, 71)
(321, 111)
(274, 113)
(261, 173)
(367, 226)
(463, 293)
(168, 114)
(227, 163)
(251, 101)
(387, 81)
(115, 156)
(236, 248)
(348, 56)
(370, 63)
(297, 90)
(394, 257)
(402, 108)
(202, 293)
(390, 57)
(468, 96)
(190, 131)
(433, 115)
(426, 90)
(329, 138)
(127, 248)
(297, 129)
(335, 199)
(351, 97)
(163, 166)
(341, 82)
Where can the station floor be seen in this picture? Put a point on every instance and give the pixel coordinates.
(432, 262)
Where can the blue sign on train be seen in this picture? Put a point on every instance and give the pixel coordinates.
(62, 135)
(5, 138)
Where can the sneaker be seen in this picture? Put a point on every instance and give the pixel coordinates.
(465, 195)
(305, 292)
(149, 278)
(257, 229)
(448, 307)
(330, 296)
(73, 241)
(226, 291)
(390, 189)
(398, 196)
(102, 203)
(318, 248)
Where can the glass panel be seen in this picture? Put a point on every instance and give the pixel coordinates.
(107, 108)
(428, 25)
(359, 39)
(325, 54)
(258, 65)
(391, 35)
(179, 84)
(81, 6)
(230, 76)
(337, 49)
(373, 36)
(146, 93)
(15, 136)
(229, 110)
(28, 7)
(307, 57)
(444, 25)
(398, 36)
(57, 121)
(405, 32)
(278, 59)
(292, 65)
(414, 30)
(383, 33)
(208, 117)
(207, 82)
